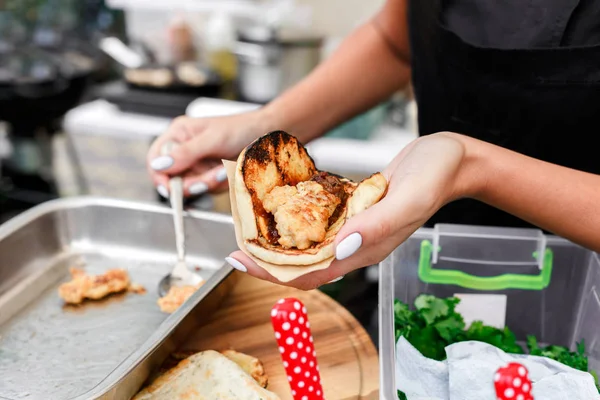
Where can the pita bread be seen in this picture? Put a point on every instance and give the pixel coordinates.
(278, 159)
(205, 375)
(252, 366)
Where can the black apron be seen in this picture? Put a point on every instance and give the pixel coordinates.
(542, 102)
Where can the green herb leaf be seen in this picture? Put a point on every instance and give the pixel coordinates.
(532, 344)
(450, 328)
(402, 314)
(428, 342)
(431, 308)
(581, 347)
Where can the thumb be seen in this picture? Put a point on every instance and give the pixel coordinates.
(387, 223)
(365, 229)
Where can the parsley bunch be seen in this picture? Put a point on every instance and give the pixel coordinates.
(434, 325)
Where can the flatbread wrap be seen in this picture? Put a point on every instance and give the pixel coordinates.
(286, 211)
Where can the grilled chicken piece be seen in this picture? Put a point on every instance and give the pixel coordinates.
(176, 296)
(93, 287)
(278, 196)
(301, 213)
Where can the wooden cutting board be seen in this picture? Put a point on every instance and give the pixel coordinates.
(347, 358)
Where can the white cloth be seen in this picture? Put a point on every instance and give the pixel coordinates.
(468, 374)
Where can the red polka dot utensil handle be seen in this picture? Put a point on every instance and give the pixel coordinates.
(292, 332)
(512, 383)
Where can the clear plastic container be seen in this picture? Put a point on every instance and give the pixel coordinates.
(555, 297)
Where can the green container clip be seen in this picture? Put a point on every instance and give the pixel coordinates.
(501, 282)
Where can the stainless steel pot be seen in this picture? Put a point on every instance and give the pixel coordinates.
(270, 61)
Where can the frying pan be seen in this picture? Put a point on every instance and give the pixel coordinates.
(209, 84)
(143, 72)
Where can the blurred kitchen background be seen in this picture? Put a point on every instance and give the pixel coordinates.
(86, 85)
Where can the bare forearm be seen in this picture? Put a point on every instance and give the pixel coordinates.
(359, 75)
(561, 200)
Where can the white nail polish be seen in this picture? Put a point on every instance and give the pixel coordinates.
(198, 188)
(348, 246)
(236, 264)
(162, 162)
(336, 279)
(162, 191)
(221, 175)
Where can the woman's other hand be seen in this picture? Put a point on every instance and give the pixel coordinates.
(203, 143)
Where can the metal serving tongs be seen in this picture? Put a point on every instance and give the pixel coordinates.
(180, 275)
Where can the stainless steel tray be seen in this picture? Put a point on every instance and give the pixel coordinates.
(105, 349)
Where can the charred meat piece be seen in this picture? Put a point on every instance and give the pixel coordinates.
(331, 183)
(336, 187)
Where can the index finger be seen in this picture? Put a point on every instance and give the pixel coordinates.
(177, 131)
(158, 178)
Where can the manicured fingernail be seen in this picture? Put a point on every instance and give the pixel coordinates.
(348, 246)
(236, 264)
(162, 162)
(162, 191)
(198, 188)
(221, 175)
(336, 279)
